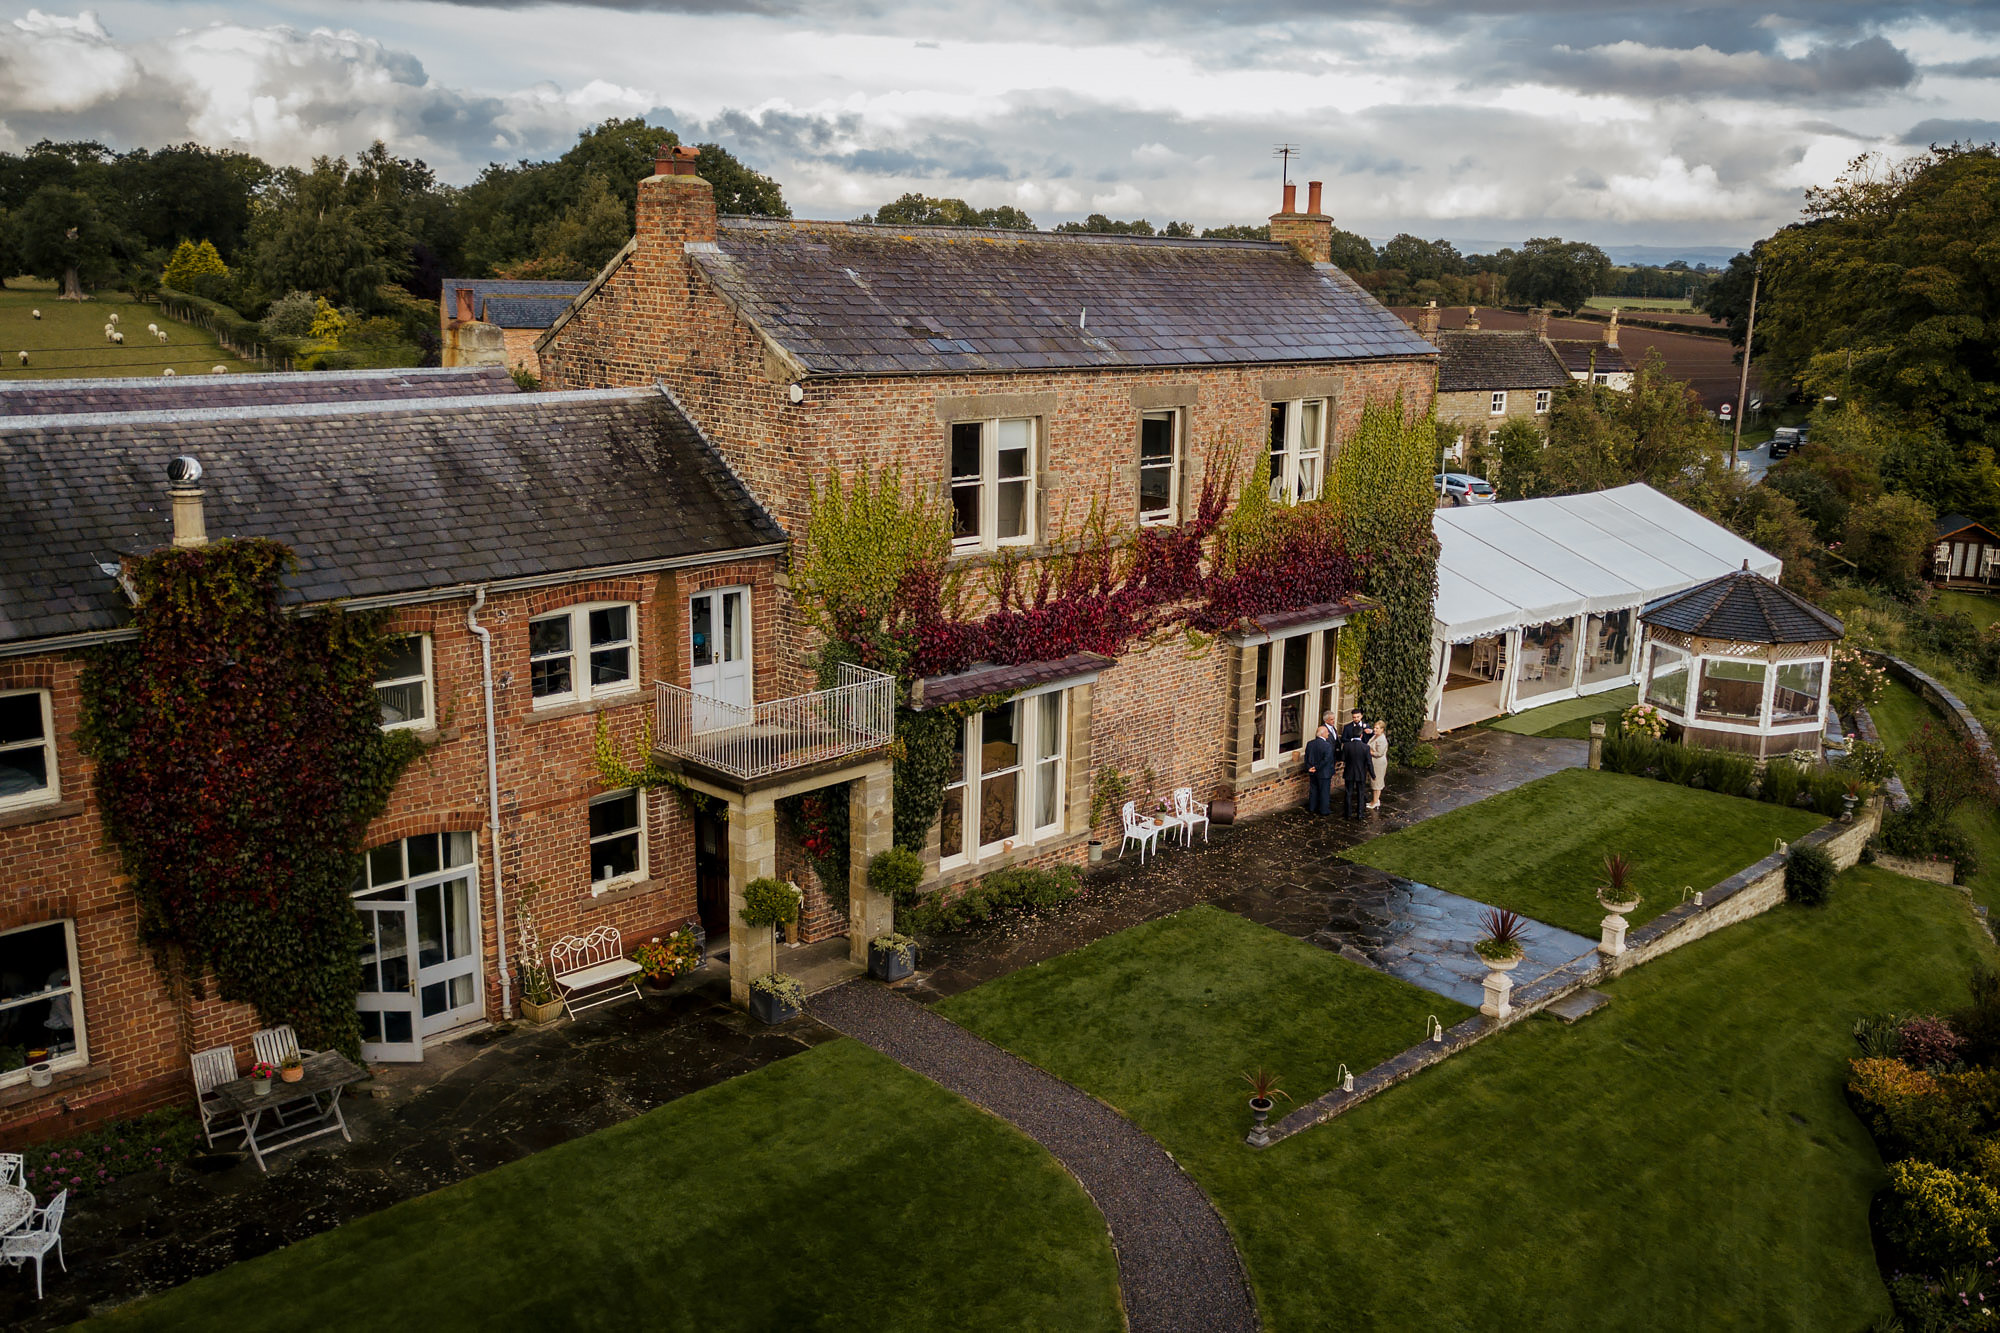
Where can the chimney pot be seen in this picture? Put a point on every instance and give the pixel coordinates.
(1291, 199)
(675, 161)
(1312, 197)
(190, 525)
(1611, 331)
(465, 304)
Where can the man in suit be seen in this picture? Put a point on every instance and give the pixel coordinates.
(1319, 772)
(1358, 763)
(1355, 727)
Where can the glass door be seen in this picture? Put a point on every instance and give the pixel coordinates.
(388, 997)
(719, 653)
(447, 962)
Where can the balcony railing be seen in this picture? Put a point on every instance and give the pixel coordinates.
(779, 734)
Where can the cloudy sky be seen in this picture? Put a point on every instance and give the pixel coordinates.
(1619, 121)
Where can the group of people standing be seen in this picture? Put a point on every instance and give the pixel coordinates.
(1359, 751)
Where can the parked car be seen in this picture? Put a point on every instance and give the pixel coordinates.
(1462, 489)
(1783, 441)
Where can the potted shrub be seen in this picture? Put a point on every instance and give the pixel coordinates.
(1616, 894)
(293, 1069)
(1501, 949)
(1852, 794)
(776, 998)
(891, 957)
(769, 903)
(261, 1075)
(658, 963)
(1263, 1090)
(539, 1004)
(1107, 792)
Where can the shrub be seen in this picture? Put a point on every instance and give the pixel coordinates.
(1721, 771)
(1422, 757)
(1952, 1300)
(1879, 1038)
(291, 316)
(1677, 764)
(896, 873)
(786, 990)
(1857, 680)
(1001, 892)
(1782, 782)
(1910, 833)
(1979, 1022)
(1866, 760)
(1911, 1111)
(104, 1156)
(1809, 873)
(1926, 1041)
(1940, 1217)
(1642, 719)
(769, 902)
(1947, 769)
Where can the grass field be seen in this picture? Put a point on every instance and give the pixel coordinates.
(1984, 608)
(1682, 1160)
(1539, 849)
(1898, 714)
(1639, 304)
(834, 1189)
(68, 341)
(1569, 719)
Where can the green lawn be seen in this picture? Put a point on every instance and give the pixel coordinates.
(1639, 304)
(1681, 1160)
(1539, 849)
(833, 1189)
(1984, 608)
(1571, 718)
(1898, 714)
(68, 341)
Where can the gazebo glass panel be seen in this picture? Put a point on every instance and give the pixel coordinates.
(1667, 682)
(1731, 691)
(1797, 693)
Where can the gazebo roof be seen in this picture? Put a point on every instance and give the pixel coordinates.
(1743, 607)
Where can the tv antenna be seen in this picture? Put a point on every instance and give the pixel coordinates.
(1284, 152)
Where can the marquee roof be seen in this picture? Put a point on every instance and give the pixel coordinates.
(1526, 562)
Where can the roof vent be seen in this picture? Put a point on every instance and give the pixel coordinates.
(190, 524)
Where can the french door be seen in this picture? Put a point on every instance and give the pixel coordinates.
(420, 952)
(719, 652)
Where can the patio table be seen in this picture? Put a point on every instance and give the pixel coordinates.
(16, 1206)
(326, 1074)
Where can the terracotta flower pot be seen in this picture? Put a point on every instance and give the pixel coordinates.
(293, 1073)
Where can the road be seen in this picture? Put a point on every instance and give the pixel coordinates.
(1754, 463)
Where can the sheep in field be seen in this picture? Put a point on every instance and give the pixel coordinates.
(168, 371)
(114, 317)
(152, 328)
(218, 370)
(24, 358)
(36, 313)
(162, 335)
(108, 331)
(118, 338)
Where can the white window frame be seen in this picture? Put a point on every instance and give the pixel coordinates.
(430, 701)
(579, 653)
(641, 863)
(966, 785)
(1542, 399)
(1172, 513)
(1297, 451)
(1266, 708)
(52, 792)
(79, 1057)
(1603, 377)
(1499, 406)
(988, 484)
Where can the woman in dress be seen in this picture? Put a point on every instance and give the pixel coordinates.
(1378, 747)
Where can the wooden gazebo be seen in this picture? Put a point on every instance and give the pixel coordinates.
(1739, 663)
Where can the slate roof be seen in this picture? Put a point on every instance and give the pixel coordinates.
(1950, 523)
(1581, 355)
(513, 304)
(1743, 607)
(376, 499)
(938, 691)
(1469, 362)
(857, 299)
(161, 393)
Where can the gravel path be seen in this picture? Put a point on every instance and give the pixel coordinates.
(1177, 1267)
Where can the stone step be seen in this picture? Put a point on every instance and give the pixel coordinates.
(1576, 1005)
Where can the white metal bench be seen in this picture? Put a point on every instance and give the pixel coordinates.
(592, 969)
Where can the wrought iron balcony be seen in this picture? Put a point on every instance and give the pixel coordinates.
(779, 735)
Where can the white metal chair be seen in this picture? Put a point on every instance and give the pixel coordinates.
(33, 1241)
(1142, 829)
(212, 1068)
(13, 1169)
(1188, 812)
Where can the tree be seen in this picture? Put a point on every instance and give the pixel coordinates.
(1727, 299)
(581, 241)
(921, 210)
(65, 236)
(1239, 232)
(1351, 251)
(738, 189)
(1422, 259)
(1817, 500)
(188, 190)
(197, 270)
(1097, 222)
(1889, 540)
(1553, 272)
(1768, 518)
(339, 232)
(1521, 448)
(1656, 432)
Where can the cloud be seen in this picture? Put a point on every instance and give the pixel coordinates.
(1634, 70)
(1986, 67)
(1953, 131)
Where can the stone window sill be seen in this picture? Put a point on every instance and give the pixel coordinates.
(1291, 766)
(66, 1080)
(625, 892)
(584, 707)
(1027, 852)
(35, 814)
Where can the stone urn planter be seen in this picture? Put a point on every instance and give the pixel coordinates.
(891, 957)
(1617, 908)
(1260, 1110)
(1507, 964)
(541, 1013)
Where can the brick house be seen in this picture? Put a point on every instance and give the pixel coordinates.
(1595, 360)
(1488, 377)
(495, 321)
(544, 557)
(1025, 376)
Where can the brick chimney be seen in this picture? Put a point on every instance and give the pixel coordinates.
(1538, 322)
(1427, 322)
(1611, 331)
(675, 205)
(1311, 232)
(463, 296)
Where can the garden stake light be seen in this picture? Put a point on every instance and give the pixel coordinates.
(1435, 1031)
(1687, 889)
(1346, 1079)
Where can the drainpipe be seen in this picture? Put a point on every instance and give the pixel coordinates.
(492, 795)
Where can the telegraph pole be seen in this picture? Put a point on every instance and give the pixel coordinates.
(1743, 388)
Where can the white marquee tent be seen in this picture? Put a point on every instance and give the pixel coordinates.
(1538, 599)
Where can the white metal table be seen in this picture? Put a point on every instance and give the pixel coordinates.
(317, 1095)
(16, 1206)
